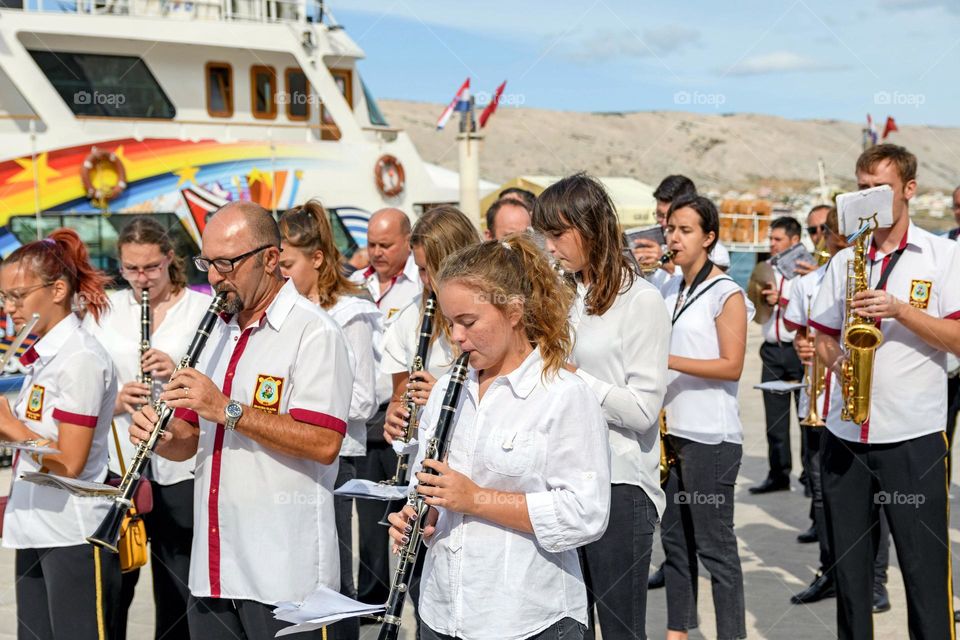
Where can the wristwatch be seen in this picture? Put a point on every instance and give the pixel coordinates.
(233, 413)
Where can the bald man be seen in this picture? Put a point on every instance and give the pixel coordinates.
(506, 216)
(264, 412)
(393, 281)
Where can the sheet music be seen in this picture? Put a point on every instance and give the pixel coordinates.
(28, 446)
(366, 489)
(410, 447)
(322, 607)
(653, 232)
(779, 386)
(81, 488)
(786, 261)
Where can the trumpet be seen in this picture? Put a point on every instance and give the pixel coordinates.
(108, 533)
(436, 450)
(145, 376)
(419, 363)
(861, 337)
(815, 380)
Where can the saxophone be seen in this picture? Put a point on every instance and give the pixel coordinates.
(861, 337)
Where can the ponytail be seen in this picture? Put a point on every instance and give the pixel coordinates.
(511, 270)
(63, 256)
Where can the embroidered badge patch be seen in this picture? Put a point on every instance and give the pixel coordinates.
(35, 403)
(920, 293)
(266, 396)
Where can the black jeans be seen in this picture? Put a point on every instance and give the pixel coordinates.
(349, 628)
(226, 619)
(565, 629)
(66, 593)
(780, 362)
(170, 527)
(615, 567)
(908, 479)
(698, 523)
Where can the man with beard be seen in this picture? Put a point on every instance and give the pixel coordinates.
(265, 412)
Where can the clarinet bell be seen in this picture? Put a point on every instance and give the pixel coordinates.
(107, 535)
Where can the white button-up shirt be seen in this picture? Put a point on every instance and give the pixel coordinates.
(797, 315)
(119, 332)
(909, 392)
(547, 440)
(701, 409)
(264, 526)
(362, 325)
(622, 356)
(404, 288)
(70, 378)
(400, 343)
(774, 330)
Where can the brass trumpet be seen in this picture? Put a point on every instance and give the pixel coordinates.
(814, 378)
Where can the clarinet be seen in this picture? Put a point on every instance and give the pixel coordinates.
(108, 533)
(145, 376)
(419, 363)
(436, 450)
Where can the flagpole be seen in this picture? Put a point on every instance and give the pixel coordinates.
(468, 141)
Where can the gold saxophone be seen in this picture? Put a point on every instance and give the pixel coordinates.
(861, 337)
(668, 457)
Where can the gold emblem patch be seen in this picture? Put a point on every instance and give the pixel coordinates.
(35, 403)
(920, 293)
(391, 312)
(266, 396)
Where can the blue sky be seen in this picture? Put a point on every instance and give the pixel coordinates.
(798, 59)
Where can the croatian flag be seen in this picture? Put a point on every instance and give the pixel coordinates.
(871, 130)
(493, 105)
(460, 102)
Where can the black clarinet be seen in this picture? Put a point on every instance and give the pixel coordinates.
(145, 376)
(436, 450)
(419, 364)
(108, 533)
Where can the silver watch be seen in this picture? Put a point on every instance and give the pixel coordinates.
(233, 413)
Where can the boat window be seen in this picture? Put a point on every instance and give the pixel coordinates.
(92, 84)
(297, 95)
(219, 89)
(373, 109)
(263, 86)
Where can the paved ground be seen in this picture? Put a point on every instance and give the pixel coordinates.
(774, 565)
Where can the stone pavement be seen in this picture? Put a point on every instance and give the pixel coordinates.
(775, 566)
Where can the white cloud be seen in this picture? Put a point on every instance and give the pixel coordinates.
(913, 5)
(605, 44)
(778, 62)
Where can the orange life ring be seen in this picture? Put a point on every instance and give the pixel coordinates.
(102, 195)
(390, 176)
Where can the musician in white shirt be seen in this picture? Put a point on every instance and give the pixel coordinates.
(527, 479)
(149, 262)
(621, 347)
(65, 587)
(310, 258)
(707, 346)
(265, 411)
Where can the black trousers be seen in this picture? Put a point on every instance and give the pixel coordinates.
(343, 507)
(698, 524)
(565, 629)
(616, 567)
(66, 593)
(226, 619)
(908, 479)
(373, 578)
(780, 362)
(953, 406)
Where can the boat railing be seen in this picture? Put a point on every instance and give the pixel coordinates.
(221, 10)
(745, 231)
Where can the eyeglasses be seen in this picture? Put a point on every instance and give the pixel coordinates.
(151, 270)
(17, 296)
(225, 265)
(815, 229)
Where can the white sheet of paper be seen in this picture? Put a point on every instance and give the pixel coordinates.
(322, 607)
(778, 386)
(28, 446)
(856, 207)
(410, 447)
(81, 488)
(367, 489)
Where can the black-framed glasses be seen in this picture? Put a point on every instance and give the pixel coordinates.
(225, 265)
(17, 296)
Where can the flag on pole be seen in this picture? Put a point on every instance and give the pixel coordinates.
(460, 102)
(492, 106)
(889, 128)
(871, 130)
